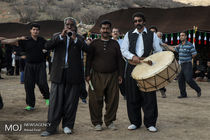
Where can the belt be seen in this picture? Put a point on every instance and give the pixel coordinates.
(186, 62)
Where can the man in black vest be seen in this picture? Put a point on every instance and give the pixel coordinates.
(66, 76)
(138, 44)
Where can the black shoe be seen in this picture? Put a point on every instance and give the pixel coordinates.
(181, 97)
(84, 101)
(1, 78)
(46, 133)
(199, 94)
(163, 93)
(1, 102)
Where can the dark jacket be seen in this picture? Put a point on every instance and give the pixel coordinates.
(74, 72)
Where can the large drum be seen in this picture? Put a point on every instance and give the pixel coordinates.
(163, 70)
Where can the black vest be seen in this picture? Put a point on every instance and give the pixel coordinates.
(147, 41)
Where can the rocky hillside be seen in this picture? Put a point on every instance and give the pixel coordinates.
(86, 11)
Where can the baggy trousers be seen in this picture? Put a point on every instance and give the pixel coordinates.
(137, 100)
(35, 74)
(106, 89)
(64, 98)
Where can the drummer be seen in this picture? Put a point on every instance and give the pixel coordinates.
(138, 44)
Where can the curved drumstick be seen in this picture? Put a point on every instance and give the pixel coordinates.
(149, 62)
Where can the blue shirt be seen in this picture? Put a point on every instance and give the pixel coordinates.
(185, 52)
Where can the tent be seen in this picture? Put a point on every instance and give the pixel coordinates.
(169, 21)
(48, 28)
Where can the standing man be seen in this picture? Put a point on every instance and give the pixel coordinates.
(1, 58)
(35, 68)
(6, 41)
(66, 76)
(138, 44)
(116, 36)
(155, 30)
(104, 73)
(186, 52)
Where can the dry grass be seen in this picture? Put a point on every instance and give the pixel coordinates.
(55, 9)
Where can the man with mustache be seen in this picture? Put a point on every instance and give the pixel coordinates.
(104, 73)
(138, 44)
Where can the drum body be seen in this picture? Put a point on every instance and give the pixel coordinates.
(163, 70)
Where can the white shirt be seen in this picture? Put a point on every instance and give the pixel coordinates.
(119, 41)
(139, 45)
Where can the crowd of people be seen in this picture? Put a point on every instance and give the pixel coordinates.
(107, 71)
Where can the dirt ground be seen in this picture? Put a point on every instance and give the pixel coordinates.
(179, 119)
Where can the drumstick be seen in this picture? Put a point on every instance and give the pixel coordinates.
(149, 62)
(91, 85)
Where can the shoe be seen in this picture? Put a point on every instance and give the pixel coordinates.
(152, 129)
(29, 108)
(47, 102)
(98, 127)
(84, 101)
(67, 130)
(181, 97)
(1, 102)
(163, 93)
(112, 126)
(1, 78)
(132, 127)
(46, 133)
(199, 94)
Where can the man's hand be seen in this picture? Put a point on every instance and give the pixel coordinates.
(74, 35)
(64, 32)
(135, 59)
(23, 57)
(87, 79)
(44, 50)
(23, 38)
(120, 79)
(197, 71)
(88, 41)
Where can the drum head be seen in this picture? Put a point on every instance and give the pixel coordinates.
(160, 60)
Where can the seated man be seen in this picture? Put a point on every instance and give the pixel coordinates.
(199, 71)
(207, 73)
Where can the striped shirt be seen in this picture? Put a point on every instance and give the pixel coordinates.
(185, 52)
